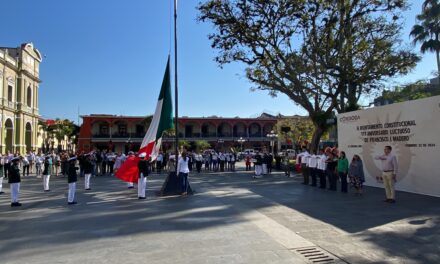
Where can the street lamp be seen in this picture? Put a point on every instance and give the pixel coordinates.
(241, 140)
(272, 136)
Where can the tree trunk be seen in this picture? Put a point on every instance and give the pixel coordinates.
(317, 134)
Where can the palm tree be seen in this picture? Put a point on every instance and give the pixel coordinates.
(427, 32)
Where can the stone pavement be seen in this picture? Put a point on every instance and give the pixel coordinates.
(230, 219)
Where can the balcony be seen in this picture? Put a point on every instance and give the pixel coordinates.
(101, 136)
(209, 135)
(119, 135)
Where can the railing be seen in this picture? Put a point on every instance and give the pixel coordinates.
(120, 135)
(208, 135)
(101, 136)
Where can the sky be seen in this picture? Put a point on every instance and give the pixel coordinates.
(109, 57)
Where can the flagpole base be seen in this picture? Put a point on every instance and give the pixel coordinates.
(173, 186)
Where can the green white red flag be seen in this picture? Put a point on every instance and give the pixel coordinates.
(162, 120)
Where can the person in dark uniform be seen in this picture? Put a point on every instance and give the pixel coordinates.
(46, 173)
(143, 166)
(14, 181)
(72, 178)
(269, 161)
(332, 163)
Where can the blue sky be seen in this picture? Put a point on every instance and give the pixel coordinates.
(108, 56)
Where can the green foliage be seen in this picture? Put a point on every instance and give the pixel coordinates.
(202, 145)
(324, 55)
(427, 31)
(184, 144)
(61, 129)
(411, 91)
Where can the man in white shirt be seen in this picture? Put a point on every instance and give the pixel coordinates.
(322, 166)
(215, 161)
(25, 163)
(313, 164)
(304, 157)
(183, 171)
(389, 173)
(159, 161)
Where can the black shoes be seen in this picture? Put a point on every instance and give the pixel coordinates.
(88, 189)
(15, 204)
(70, 203)
(142, 198)
(130, 187)
(47, 190)
(2, 192)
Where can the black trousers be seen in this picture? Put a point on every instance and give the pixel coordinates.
(313, 175)
(26, 170)
(344, 184)
(198, 166)
(7, 167)
(332, 178)
(305, 173)
(159, 166)
(322, 181)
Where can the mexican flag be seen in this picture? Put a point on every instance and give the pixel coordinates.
(162, 120)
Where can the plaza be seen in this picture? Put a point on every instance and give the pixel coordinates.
(230, 219)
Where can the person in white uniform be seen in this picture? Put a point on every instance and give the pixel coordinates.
(46, 173)
(14, 181)
(143, 166)
(72, 178)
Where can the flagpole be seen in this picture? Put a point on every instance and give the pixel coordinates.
(176, 98)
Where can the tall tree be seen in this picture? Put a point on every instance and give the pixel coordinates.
(427, 32)
(324, 55)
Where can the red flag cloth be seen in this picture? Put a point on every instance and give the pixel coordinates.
(129, 171)
(50, 122)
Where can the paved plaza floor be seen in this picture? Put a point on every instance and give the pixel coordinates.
(232, 218)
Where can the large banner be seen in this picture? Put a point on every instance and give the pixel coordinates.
(412, 129)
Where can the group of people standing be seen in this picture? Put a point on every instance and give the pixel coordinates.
(14, 166)
(262, 163)
(331, 166)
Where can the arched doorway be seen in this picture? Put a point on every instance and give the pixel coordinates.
(28, 137)
(9, 132)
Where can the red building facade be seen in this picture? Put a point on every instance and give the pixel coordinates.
(125, 133)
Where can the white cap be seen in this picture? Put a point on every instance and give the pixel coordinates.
(142, 155)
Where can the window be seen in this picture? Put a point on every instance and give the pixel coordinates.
(122, 129)
(140, 131)
(29, 96)
(103, 129)
(10, 91)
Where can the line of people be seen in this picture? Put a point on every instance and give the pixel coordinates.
(331, 166)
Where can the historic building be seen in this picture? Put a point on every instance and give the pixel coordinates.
(19, 84)
(124, 133)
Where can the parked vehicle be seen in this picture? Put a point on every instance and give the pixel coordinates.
(290, 153)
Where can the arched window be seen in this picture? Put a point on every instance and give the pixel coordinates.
(29, 96)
